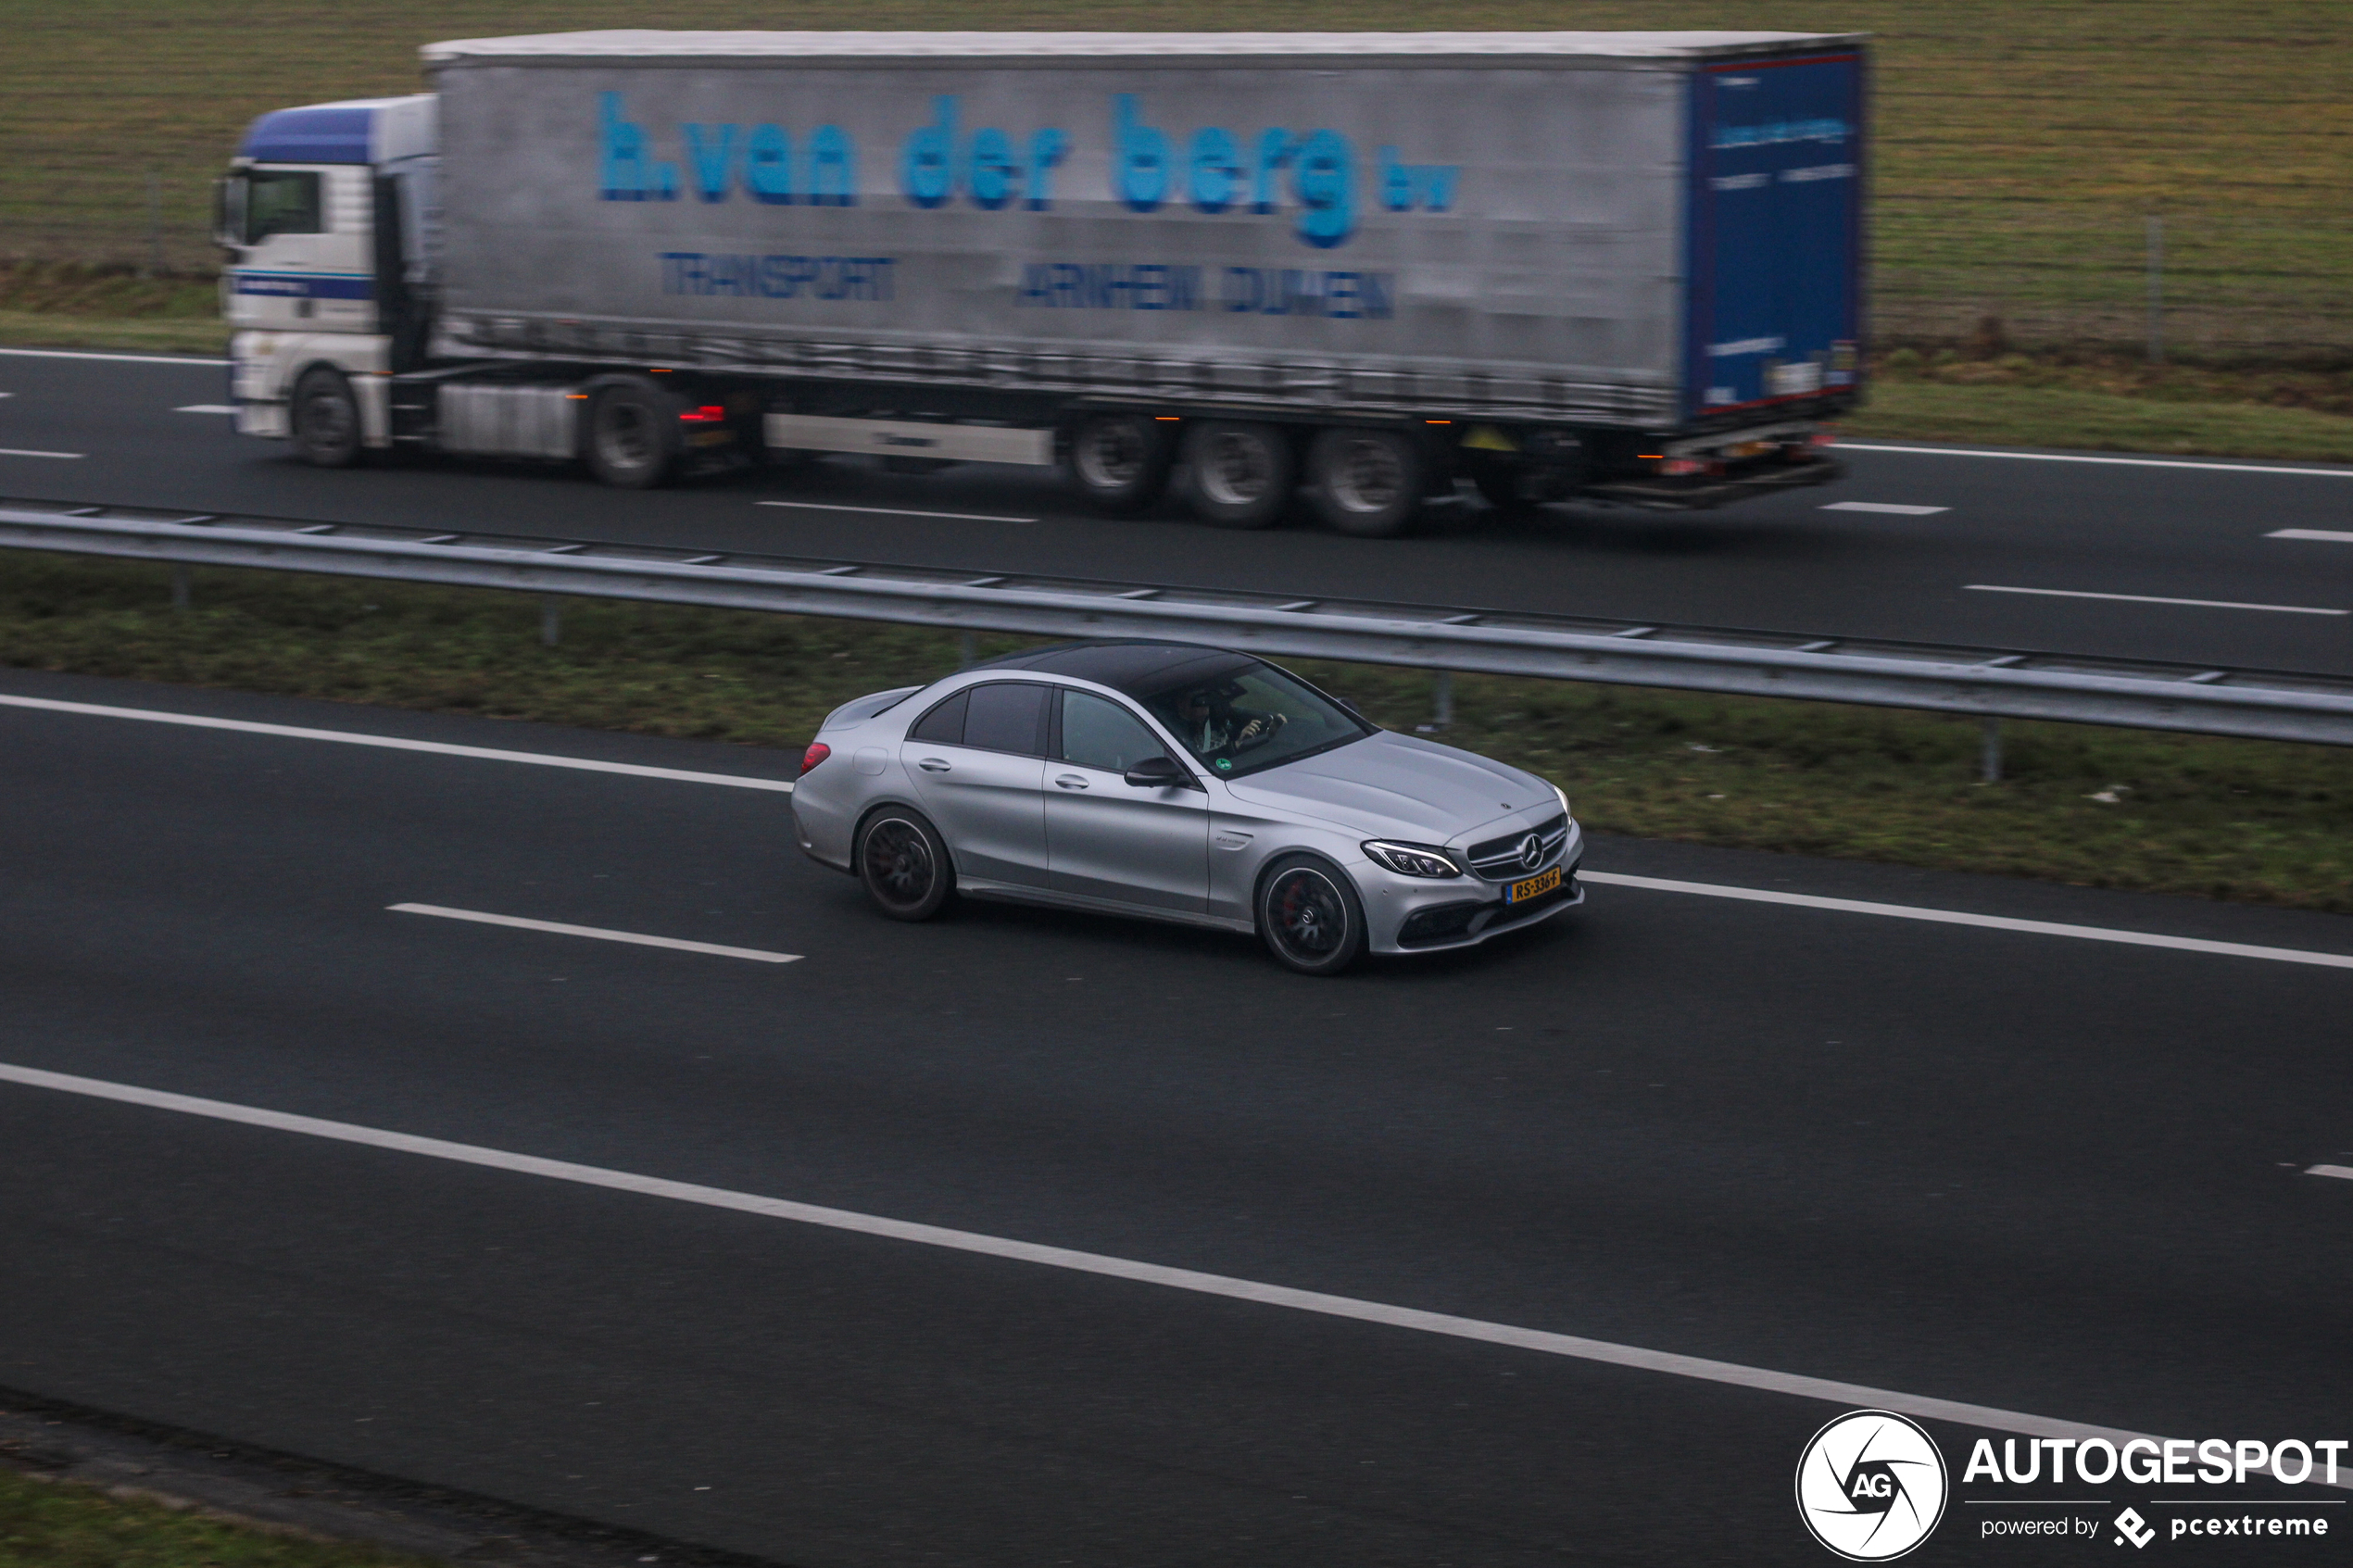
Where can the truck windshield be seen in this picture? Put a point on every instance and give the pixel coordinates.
(280, 202)
(1248, 720)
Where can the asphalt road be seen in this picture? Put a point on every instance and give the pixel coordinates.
(1798, 563)
(2058, 1176)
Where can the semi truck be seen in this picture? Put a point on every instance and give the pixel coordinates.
(1621, 267)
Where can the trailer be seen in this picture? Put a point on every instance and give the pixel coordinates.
(1611, 266)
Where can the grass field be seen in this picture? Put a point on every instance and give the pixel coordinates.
(2019, 146)
(48, 1525)
(2241, 819)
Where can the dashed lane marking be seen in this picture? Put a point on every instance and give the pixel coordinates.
(600, 932)
(2150, 600)
(2329, 536)
(894, 511)
(20, 451)
(1890, 507)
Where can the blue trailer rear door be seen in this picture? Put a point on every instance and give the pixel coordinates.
(1774, 231)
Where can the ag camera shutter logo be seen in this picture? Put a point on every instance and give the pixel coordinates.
(1871, 1486)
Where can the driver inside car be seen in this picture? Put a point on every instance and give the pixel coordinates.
(1207, 720)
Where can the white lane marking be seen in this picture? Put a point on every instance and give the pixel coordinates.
(1991, 922)
(395, 743)
(1852, 1395)
(2343, 1173)
(600, 932)
(2074, 457)
(894, 511)
(126, 358)
(1884, 506)
(16, 452)
(2149, 600)
(205, 409)
(2331, 536)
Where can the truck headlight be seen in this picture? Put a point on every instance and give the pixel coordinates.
(1412, 860)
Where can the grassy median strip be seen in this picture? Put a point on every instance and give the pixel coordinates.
(2251, 821)
(63, 1525)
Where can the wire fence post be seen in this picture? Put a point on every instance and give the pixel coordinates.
(2157, 290)
(1989, 758)
(155, 226)
(551, 621)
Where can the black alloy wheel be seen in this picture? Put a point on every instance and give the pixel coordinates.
(1310, 917)
(1367, 483)
(1120, 462)
(326, 418)
(632, 439)
(1242, 473)
(903, 865)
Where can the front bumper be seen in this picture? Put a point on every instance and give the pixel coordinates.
(1406, 914)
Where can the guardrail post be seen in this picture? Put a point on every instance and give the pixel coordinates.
(967, 649)
(180, 592)
(1989, 762)
(551, 621)
(1442, 704)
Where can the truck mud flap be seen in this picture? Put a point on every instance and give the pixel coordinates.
(1681, 495)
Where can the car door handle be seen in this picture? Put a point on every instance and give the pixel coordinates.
(933, 765)
(1070, 781)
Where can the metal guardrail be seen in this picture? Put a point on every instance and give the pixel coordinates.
(1985, 682)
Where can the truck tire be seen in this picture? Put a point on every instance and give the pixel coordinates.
(1242, 473)
(325, 418)
(1119, 463)
(631, 441)
(1367, 483)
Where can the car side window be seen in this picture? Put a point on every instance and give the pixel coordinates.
(1100, 733)
(943, 725)
(1007, 716)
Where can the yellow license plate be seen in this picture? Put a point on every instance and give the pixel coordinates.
(1521, 892)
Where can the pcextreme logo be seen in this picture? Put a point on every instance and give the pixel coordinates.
(1870, 1485)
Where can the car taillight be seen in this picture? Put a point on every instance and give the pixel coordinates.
(818, 751)
(709, 414)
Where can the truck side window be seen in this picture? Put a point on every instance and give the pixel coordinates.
(281, 202)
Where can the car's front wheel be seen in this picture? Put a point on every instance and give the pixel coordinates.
(903, 864)
(1309, 916)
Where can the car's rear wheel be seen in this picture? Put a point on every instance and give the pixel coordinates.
(1309, 916)
(903, 864)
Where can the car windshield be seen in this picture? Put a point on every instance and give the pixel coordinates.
(1248, 720)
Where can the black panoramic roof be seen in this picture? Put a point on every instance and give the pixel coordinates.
(1135, 666)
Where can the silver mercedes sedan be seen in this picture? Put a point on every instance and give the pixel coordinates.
(1182, 783)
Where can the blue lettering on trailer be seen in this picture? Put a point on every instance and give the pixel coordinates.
(303, 285)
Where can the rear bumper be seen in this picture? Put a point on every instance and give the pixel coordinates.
(1696, 493)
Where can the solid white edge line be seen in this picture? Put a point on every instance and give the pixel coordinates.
(893, 511)
(126, 358)
(20, 452)
(395, 743)
(2075, 458)
(2343, 1173)
(2330, 536)
(2148, 599)
(600, 932)
(1990, 922)
(1573, 1347)
(1896, 508)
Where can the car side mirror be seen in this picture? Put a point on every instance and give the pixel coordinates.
(1159, 773)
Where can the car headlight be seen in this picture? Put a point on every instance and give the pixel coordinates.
(1563, 800)
(1412, 860)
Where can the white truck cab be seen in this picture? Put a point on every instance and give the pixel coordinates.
(324, 213)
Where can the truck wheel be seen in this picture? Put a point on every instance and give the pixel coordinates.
(1120, 461)
(326, 418)
(1505, 489)
(632, 436)
(1242, 473)
(1367, 483)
